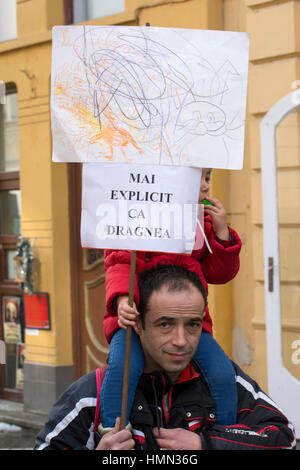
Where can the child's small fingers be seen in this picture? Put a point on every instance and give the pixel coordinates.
(216, 202)
(128, 309)
(127, 316)
(124, 314)
(121, 325)
(127, 323)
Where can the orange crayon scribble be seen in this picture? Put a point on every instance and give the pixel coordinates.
(178, 97)
(104, 132)
(58, 90)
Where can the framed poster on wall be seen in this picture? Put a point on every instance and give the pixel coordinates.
(37, 311)
(12, 326)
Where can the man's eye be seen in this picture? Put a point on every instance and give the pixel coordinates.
(164, 324)
(195, 325)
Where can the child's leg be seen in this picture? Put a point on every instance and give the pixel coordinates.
(220, 376)
(111, 389)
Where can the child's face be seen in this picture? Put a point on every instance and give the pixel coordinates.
(205, 183)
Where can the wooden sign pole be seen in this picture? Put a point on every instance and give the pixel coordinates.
(128, 345)
(128, 341)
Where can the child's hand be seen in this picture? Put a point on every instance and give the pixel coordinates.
(126, 315)
(218, 216)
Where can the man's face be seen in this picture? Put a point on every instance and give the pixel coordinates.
(173, 325)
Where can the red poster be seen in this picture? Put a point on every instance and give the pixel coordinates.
(37, 313)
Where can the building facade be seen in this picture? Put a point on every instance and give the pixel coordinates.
(41, 200)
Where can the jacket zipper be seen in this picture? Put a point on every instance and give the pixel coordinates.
(167, 403)
(159, 415)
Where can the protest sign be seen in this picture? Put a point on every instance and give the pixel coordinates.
(148, 95)
(139, 207)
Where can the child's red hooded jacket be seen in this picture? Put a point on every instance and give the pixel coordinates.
(217, 267)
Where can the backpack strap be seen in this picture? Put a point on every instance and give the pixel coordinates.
(100, 373)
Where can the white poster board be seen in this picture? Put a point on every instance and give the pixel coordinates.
(147, 95)
(139, 207)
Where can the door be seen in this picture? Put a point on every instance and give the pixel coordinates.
(88, 289)
(11, 311)
(283, 387)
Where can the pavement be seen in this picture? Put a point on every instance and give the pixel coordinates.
(18, 428)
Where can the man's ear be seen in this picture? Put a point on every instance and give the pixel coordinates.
(138, 326)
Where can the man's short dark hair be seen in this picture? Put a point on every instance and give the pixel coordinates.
(176, 278)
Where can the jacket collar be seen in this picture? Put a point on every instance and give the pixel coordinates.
(162, 379)
(189, 373)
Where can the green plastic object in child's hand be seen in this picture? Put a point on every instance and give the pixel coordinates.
(206, 202)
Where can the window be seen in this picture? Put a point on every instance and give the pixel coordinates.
(8, 20)
(84, 10)
(9, 164)
(9, 142)
(10, 202)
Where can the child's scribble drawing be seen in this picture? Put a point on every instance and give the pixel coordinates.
(149, 95)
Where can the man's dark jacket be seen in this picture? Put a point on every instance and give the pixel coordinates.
(186, 404)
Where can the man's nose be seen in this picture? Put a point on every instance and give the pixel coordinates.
(179, 338)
